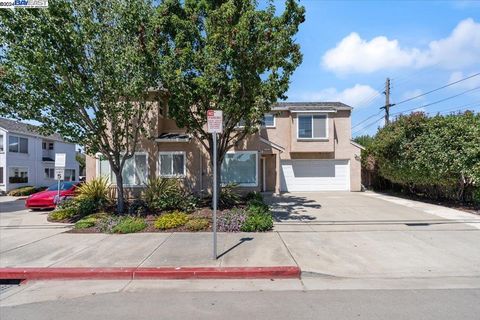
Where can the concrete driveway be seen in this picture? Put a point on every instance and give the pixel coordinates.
(369, 235)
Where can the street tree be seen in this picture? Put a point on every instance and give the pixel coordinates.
(230, 56)
(82, 68)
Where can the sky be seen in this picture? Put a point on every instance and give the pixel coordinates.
(350, 48)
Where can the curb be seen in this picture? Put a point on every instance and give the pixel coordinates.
(291, 272)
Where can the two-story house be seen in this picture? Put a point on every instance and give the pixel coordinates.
(302, 146)
(27, 158)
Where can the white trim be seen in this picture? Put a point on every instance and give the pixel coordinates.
(313, 111)
(314, 138)
(274, 121)
(172, 175)
(357, 145)
(256, 167)
(272, 144)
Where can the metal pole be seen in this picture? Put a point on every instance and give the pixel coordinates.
(58, 192)
(215, 196)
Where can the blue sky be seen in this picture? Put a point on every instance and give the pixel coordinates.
(350, 47)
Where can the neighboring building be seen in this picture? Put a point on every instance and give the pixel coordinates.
(27, 158)
(300, 147)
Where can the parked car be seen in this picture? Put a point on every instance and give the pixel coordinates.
(48, 198)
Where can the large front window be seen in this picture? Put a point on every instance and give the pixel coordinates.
(312, 126)
(172, 164)
(240, 168)
(17, 144)
(134, 171)
(18, 175)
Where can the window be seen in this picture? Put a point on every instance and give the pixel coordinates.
(44, 146)
(17, 144)
(69, 175)
(312, 126)
(268, 120)
(1, 175)
(172, 164)
(18, 175)
(240, 168)
(49, 173)
(50, 146)
(1, 142)
(134, 171)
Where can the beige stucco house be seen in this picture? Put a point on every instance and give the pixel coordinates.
(301, 147)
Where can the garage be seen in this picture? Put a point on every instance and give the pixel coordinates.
(315, 175)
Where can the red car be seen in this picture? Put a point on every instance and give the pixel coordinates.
(47, 199)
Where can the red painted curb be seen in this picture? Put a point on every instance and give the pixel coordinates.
(151, 273)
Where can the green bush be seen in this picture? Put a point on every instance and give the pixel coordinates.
(163, 194)
(171, 220)
(260, 221)
(129, 224)
(197, 224)
(97, 191)
(25, 191)
(138, 208)
(229, 196)
(61, 214)
(85, 223)
(254, 196)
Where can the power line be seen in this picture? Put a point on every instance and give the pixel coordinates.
(440, 88)
(368, 125)
(438, 101)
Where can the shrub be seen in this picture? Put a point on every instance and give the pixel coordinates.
(231, 220)
(85, 206)
(197, 224)
(258, 222)
(257, 207)
(229, 196)
(61, 215)
(138, 208)
(25, 191)
(108, 223)
(171, 220)
(97, 191)
(128, 224)
(254, 196)
(86, 222)
(165, 194)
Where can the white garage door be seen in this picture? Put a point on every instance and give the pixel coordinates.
(315, 175)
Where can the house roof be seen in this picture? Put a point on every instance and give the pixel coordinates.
(173, 137)
(323, 105)
(25, 128)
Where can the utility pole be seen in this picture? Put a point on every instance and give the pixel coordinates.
(387, 101)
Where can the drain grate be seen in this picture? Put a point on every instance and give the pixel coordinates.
(417, 224)
(7, 284)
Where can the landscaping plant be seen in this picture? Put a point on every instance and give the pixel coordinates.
(128, 224)
(171, 220)
(25, 191)
(229, 196)
(163, 194)
(96, 191)
(197, 224)
(85, 223)
(231, 220)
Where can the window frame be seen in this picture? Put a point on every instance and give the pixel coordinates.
(312, 115)
(2, 176)
(15, 167)
(18, 144)
(49, 170)
(159, 165)
(256, 168)
(110, 173)
(274, 120)
(2, 145)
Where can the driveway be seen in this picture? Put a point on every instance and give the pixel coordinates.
(369, 235)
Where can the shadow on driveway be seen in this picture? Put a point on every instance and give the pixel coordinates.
(292, 208)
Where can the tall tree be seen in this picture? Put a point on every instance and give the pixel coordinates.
(82, 68)
(227, 55)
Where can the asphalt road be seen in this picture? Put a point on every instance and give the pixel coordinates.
(327, 304)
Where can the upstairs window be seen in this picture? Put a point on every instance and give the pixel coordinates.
(17, 144)
(312, 126)
(1, 142)
(268, 120)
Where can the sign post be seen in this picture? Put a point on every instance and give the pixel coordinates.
(214, 126)
(60, 162)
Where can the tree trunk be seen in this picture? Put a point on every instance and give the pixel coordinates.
(120, 193)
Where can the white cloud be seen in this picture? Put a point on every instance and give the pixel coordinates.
(467, 84)
(356, 55)
(355, 96)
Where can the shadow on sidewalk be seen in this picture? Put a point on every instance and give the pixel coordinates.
(292, 208)
(242, 240)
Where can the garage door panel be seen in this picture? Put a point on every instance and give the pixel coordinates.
(315, 175)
